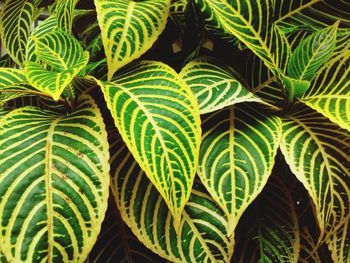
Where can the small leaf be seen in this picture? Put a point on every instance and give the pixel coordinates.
(214, 85)
(65, 13)
(295, 88)
(339, 243)
(158, 118)
(317, 152)
(237, 155)
(129, 28)
(16, 19)
(54, 179)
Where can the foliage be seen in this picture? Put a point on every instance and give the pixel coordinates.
(221, 129)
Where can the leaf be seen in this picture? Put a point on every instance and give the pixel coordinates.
(295, 88)
(116, 243)
(237, 155)
(251, 23)
(269, 231)
(318, 153)
(214, 85)
(129, 28)
(158, 118)
(2, 257)
(54, 178)
(65, 14)
(339, 243)
(202, 235)
(16, 18)
(312, 53)
(6, 61)
(329, 93)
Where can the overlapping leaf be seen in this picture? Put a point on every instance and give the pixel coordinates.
(251, 23)
(54, 178)
(270, 230)
(65, 14)
(214, 85)
(202, 235)
(237, 155)
(329, 93)
(158, 118)
(16, 18)
(129, 28)
(339, 243)
(318, 153)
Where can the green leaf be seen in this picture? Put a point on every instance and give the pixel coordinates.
(339, 243)
(311, 53)
(202, 235)
(54, 178)
(269, 231)
(329, 93)
(251, 23)
(65, 14)
(16, 18)
(7, 62)
(129, 28)
(214, 85)
(158, 118)
(295, 88)
(317, 152)
(116, 243)
(237, 155)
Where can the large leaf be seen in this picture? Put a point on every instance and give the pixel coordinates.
(318, 153)
(214, 85)
(269, 231)
(202, 234)
(129, 28)
(251, 23)
(329, 93)
(158, 118)
(116, 243)
(311, 53)
(237, 155)
(16, 19)
(54, 178)
(339, 243)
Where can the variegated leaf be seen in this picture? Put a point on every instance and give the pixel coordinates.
(158, 118)
(65, 14)
(214, 85)
(16, 18)
(237, 155)
(54, 178)
(318, 153)
(339, 243)
(202, 233)
(329, 93)
(129, 28)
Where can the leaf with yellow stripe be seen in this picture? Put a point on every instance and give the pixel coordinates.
(158, 118)
(16, 18)
(129, 28)
(214, 85)
(318, 153)
(329, 93)
(339, 243)
(54, 178)
(252, 23)
(65, 14)
(202, 233)
(237, 155)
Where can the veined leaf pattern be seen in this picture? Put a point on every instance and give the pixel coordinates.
(318, 153)
(339, 243)
(237, 155)
(52, 203)
(65, 14)
(202, 235)
(158, 118)
(329, 93)
(16, 18)
(129, 28)
(251, 23)
(214, 85)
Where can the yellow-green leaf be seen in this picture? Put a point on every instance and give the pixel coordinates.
(339, 243)
(237, 155)
(129, 28)
(16, 19)
(214, 85)
(54, 179)
(158, 118)
(318, 153)
(65, 14)
(202, 233)
(329, 93)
